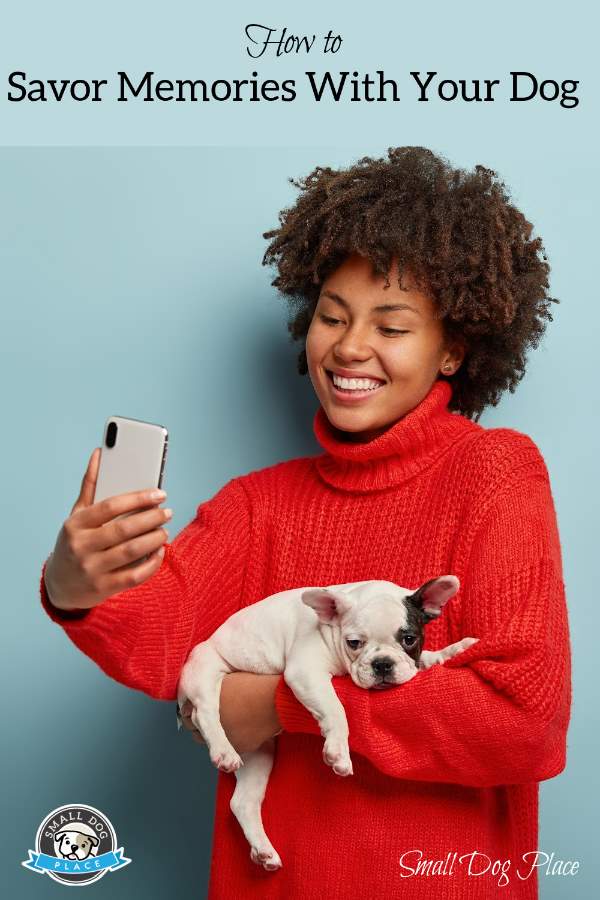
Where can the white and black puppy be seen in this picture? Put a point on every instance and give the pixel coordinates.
(371, 630)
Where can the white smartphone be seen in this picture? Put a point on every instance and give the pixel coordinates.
(132, 458)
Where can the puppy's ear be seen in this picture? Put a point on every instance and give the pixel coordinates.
(432, 596)
(330, 606)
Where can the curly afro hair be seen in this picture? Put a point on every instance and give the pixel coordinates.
(465, 244)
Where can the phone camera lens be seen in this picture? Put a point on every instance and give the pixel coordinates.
(111, 434)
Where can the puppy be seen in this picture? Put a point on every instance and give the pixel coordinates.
(371, 630)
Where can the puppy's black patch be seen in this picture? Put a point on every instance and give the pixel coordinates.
(415, 620)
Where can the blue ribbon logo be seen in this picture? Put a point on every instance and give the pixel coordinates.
(43, 862)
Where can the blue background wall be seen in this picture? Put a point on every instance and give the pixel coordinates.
(132, 284)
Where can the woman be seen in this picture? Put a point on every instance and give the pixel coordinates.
(423, 282)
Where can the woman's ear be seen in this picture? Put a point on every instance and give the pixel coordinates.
(454, 354)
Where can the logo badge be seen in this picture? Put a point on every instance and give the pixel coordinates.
(76, 844)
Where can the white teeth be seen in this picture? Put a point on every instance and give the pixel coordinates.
(355, 384)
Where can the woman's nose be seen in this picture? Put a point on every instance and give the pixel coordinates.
(352, 343)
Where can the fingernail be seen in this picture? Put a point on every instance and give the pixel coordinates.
(158, 495)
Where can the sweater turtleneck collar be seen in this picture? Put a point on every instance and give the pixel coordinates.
(409, 445)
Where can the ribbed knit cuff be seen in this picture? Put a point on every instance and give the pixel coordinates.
(60, 616)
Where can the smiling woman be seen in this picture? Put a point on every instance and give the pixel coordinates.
(462, 250)
(389, 337)
(416, 289)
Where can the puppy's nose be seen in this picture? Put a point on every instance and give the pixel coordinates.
(382, 666)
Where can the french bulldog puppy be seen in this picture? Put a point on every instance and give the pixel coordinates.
(371, 630)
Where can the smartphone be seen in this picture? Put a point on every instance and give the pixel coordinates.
(132, 458)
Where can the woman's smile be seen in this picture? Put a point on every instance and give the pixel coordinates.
(343, 391)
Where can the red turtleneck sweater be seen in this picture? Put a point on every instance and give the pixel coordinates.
(446, 767)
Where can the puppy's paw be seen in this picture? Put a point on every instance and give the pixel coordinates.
(343, 769)
(337, 755)
(226, 759)
(467, 642)
(266, 856)
(458, 647)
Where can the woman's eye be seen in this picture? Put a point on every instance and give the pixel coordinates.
(353, 644)
(331, 321)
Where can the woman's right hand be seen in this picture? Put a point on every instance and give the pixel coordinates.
(93, 555)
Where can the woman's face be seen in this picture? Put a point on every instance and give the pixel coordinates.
(402, 349)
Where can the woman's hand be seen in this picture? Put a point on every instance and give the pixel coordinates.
(98, 554)
(247, 710)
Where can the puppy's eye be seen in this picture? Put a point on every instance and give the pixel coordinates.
(354, 644)
(409, 639)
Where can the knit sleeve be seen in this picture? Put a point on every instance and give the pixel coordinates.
(498, 712)
(142, 636)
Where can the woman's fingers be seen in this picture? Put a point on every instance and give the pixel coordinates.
(186, 718)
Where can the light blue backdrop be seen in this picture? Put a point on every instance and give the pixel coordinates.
(131, 284)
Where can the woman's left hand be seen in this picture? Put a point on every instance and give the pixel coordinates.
(186, 719)
(247, 710)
